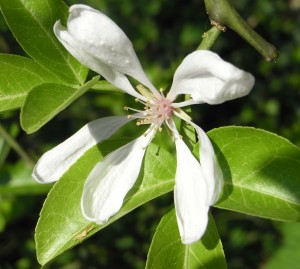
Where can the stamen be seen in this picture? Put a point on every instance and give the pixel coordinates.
(157, 110)
(132, 109)
(144, 91)
(181, 114)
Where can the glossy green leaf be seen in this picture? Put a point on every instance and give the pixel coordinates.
(17, 179)
(61, 224)
(47, 100)
(261, 171)
(31, 22)
(167, 251)
(17, 77)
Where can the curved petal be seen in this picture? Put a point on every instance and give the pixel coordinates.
(211, 169)
(209, 79)
(111, 179)
(190, 195)
(84, 57)
(109, 51)
(54, 163)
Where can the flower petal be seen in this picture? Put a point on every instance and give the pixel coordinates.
(212, 172)
(190, 195)
(111, 179)
(97, 42)
(209, 79)
(114, 77)
(54, 163)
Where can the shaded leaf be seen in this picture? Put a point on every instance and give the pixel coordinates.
(17, 179)
(288, 253)
(167, 251)
(105, 86)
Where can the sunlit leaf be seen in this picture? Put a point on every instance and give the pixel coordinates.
(61, 224)
(17, 77)
(261, 171)
(47, 100)
(31, 22)
(167, 251)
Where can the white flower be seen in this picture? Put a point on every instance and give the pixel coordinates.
(97, 42)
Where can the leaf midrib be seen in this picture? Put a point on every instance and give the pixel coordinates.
(65, 246)
(54, 43)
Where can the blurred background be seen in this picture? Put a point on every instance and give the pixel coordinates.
(163, 33)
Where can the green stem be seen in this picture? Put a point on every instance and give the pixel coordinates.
(222, 13)
(13, 143)
(209, 38)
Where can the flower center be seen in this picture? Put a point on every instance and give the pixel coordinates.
(160, 109)
(157, 110)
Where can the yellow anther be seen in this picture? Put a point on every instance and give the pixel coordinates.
(144, 91)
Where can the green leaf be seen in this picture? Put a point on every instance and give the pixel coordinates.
(61, 224)
(167, 251)
(288, 252)
(261, 172)
(105, 86)
(47, 100)
(4, 150)
(17, 77)
(16, 179)
(32, 22)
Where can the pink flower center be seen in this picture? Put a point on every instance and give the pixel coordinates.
(157, 111)
(160, 109)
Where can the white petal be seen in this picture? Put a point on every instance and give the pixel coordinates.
(211, 169)
(104, 46)
(114, 77)
(190, 195)
(209, 79)
(111, 179)
(54, 163)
